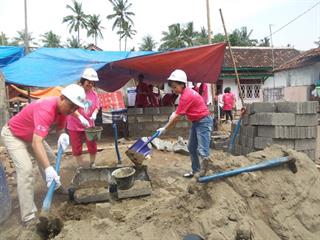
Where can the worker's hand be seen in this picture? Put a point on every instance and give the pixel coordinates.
(94, 116)
(161, 130)
(84, 121)
(51, 175)
(63, 141)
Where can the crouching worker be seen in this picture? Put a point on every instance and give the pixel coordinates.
(193, 106)
(25, 133)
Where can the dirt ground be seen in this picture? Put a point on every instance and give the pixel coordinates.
(271, 204)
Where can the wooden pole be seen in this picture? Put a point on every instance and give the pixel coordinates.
(232, 58)
(26, 39)
(208, 22)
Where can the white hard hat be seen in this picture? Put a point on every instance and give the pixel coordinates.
(75, 94)
(90, 74)
(179, 76)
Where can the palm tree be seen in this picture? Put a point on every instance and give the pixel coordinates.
(73, 43)
(121, 15)
(173, 38)
(189, 35)
(94, 27)
(242, 38)
(265, 42)
(126, 32)
(78, 20)
(51, 39)
(202, 37)
(19, 40)
(148, 44)
(3, 39)
(217, 38)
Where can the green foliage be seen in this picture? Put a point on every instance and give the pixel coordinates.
(50, 39)
(317, 42)
(122, 19)
(148, 44)
(78, 20)
(241, 37)
(173, 38)
(19, 40)
(73, 43)
(3, 39)
(94, 27)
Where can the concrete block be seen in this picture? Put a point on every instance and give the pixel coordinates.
(245, 119)
(160, 118)
(308, 107)
(262, 107)
(151, 110)
(132, 119)
(142, 119)
(167, 110)
(287, 132)
(290, 143)
(237, 149)
(250, 142)
(306, 120)
(131, 111)
(152, 126)
(262, 142)
(250, 131)
(254, 119)
(139, 188)
(182, 124)
(275, 119)
(305, 144)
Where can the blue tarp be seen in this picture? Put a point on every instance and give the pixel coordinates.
(48, 67)
(9, 54)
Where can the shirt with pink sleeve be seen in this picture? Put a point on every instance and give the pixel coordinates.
(92, 103)
(37, 118)
(192, 105)
(228, 101)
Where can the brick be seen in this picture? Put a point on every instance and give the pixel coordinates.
(287, 132)
(274, 119)
(305, 144)
(160, 118)
(151, 110)
(262, 107)
(250, 131)
(237, 149)
(141, 119)
(245, 119)
(298, 107)
(167, 110)
(306, 120)
(254, 119)
(152, 126)
(250, 142)
(132, 119)
(131, 111)
(262, 142)
(182, 124)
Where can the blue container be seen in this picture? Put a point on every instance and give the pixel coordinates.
(5, 200)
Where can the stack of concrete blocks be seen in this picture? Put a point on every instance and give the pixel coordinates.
(145, 121)
(292, 124)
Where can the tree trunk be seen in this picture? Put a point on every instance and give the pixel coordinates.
(120, 44)
(78, 37)
(95, 40)
(125, 44)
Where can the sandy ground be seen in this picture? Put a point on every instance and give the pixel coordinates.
(271, 204)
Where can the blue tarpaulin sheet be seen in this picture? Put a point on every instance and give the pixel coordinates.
(9, 54)
(48, 67)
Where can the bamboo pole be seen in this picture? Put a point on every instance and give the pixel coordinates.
(232, 57)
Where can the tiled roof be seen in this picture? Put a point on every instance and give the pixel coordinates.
(257, 57)
(307, 58)
(93, 47)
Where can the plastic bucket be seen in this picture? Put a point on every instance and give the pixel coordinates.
(5, 200)
(94, 133)
(124, 177)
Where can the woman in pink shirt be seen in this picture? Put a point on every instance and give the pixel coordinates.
(83, 118)
(191, 105)
(228, 103)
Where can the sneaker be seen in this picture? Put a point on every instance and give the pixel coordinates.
(188, 175)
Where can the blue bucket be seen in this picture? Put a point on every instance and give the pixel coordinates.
(5, 200)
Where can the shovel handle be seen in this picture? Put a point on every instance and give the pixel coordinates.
(155, 135)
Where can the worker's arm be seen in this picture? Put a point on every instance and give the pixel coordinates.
(174, 118)
(39, 151)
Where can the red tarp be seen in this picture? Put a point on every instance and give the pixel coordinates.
(202, 64)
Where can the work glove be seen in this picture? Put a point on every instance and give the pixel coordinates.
(63, 141)
(84, 121)
(161, 130)
(51, 175)
(94, 116)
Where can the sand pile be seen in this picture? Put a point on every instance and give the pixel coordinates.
(270, 204)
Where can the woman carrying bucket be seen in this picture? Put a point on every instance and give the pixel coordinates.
(192, 105)
(83, 118)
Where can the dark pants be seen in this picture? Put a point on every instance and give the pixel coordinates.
(228, 114)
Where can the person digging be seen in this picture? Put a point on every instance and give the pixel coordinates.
(192, 106)
(26, 132)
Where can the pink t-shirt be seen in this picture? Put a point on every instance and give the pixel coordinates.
(73, 122)
(203, 91)
(228, 101)
(37, 118)
(192, 105)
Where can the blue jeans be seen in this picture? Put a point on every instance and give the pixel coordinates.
(199, 141)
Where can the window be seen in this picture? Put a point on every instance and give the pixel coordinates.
(250, 91)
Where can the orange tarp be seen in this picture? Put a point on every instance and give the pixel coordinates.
(48, 92)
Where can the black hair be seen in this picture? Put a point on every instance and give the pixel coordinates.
(82, 81)
(227, 90)
(170, 82)
(141, 77)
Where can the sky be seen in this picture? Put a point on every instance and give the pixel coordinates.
(154, 16)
